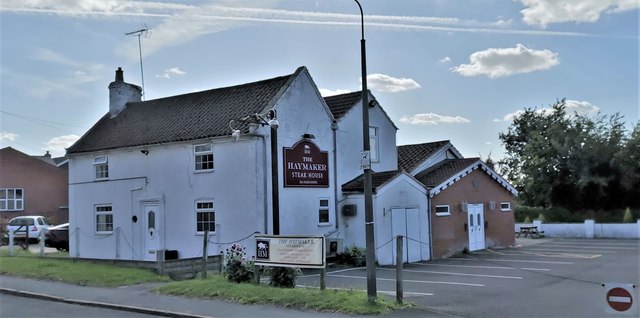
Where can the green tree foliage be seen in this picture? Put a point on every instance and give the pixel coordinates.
(573, 161)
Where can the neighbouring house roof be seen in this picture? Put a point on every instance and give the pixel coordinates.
(411, 156)
(378, 179)
(193, 116)
(341, 104)
(445, 173)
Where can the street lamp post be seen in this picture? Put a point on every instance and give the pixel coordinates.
(366, 165)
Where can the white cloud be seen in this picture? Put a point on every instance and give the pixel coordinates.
(386, 83)
(433, 119)
(544, 12)
(57, 145)
(7, 136)
(181, 23)
(328, 92)
(572, 107)
(172, 71)
(445, 60)
(499, 62)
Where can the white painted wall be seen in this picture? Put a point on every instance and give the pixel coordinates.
(235, 187)
(402, 192)
(587, 229)
(302, 110)
(349, 137)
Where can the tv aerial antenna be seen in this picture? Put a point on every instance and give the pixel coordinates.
(144, 31)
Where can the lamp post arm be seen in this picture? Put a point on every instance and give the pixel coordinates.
(361, 17)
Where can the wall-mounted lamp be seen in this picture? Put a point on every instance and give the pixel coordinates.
(373, 103)
(463, 206)
(308, 136)
(144, 151)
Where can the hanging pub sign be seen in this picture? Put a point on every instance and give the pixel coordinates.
(305, 165)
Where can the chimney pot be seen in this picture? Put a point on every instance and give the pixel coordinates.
(119, 75)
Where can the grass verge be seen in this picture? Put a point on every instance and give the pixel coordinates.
(58, 267)
(351, 302)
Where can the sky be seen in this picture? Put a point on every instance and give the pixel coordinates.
(456, 70)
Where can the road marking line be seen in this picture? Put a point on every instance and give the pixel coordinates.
(387, 292)
(414, 281)
(528, 261)
(594, 247)
(466, 266)
(535, 269)
(405, 293)
(337, 271)
(456, 274)
(560, 250)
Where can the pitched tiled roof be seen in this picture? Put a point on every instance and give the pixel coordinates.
(185, 117)
(444, 170)
(410, 156)
(341, 104)
(377, 179)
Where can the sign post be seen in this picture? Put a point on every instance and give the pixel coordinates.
(621, 299)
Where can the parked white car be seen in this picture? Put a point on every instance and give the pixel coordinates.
(32, 223)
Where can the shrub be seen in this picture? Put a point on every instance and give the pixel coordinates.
(354, 256)
(527, 220)
(541, 217)
(237, 268)
(283, 276)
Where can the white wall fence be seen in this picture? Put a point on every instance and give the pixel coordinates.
(588, 229)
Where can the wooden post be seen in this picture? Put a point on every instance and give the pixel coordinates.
(323, 278)
(399, 260)
(256, 274)
(204, 254)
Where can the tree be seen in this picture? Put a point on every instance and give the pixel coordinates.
(572, 161)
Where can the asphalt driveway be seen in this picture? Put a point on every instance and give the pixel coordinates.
(539, 278)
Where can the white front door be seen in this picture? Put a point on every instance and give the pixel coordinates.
(475, 225)
(152, 229)
(406, 222)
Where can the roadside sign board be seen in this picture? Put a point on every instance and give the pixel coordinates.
(621, 299)
(290, 251)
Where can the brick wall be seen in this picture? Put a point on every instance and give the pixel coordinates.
(449, 234)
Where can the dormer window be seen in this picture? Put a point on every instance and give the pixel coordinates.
(203, 157)
(101, 165)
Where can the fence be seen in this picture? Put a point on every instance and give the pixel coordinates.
(588, 229)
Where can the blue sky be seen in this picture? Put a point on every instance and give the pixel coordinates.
(442, 69)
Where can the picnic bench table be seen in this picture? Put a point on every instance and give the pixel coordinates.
(531, 231)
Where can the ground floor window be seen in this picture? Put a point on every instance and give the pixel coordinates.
(505, 206)
(443, 210)
(324, 211)
(11, 200)
(104, 219)
(205, 217)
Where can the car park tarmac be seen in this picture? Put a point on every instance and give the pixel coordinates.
(548, 277)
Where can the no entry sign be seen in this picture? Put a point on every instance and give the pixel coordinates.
(621, 298)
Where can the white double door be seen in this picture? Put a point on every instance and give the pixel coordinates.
(475, 226)
(406, 222)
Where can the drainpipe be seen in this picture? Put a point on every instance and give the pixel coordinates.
(265, 184)
(430, 227)
(334, 128)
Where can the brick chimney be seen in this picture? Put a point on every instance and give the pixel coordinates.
(120, 93)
